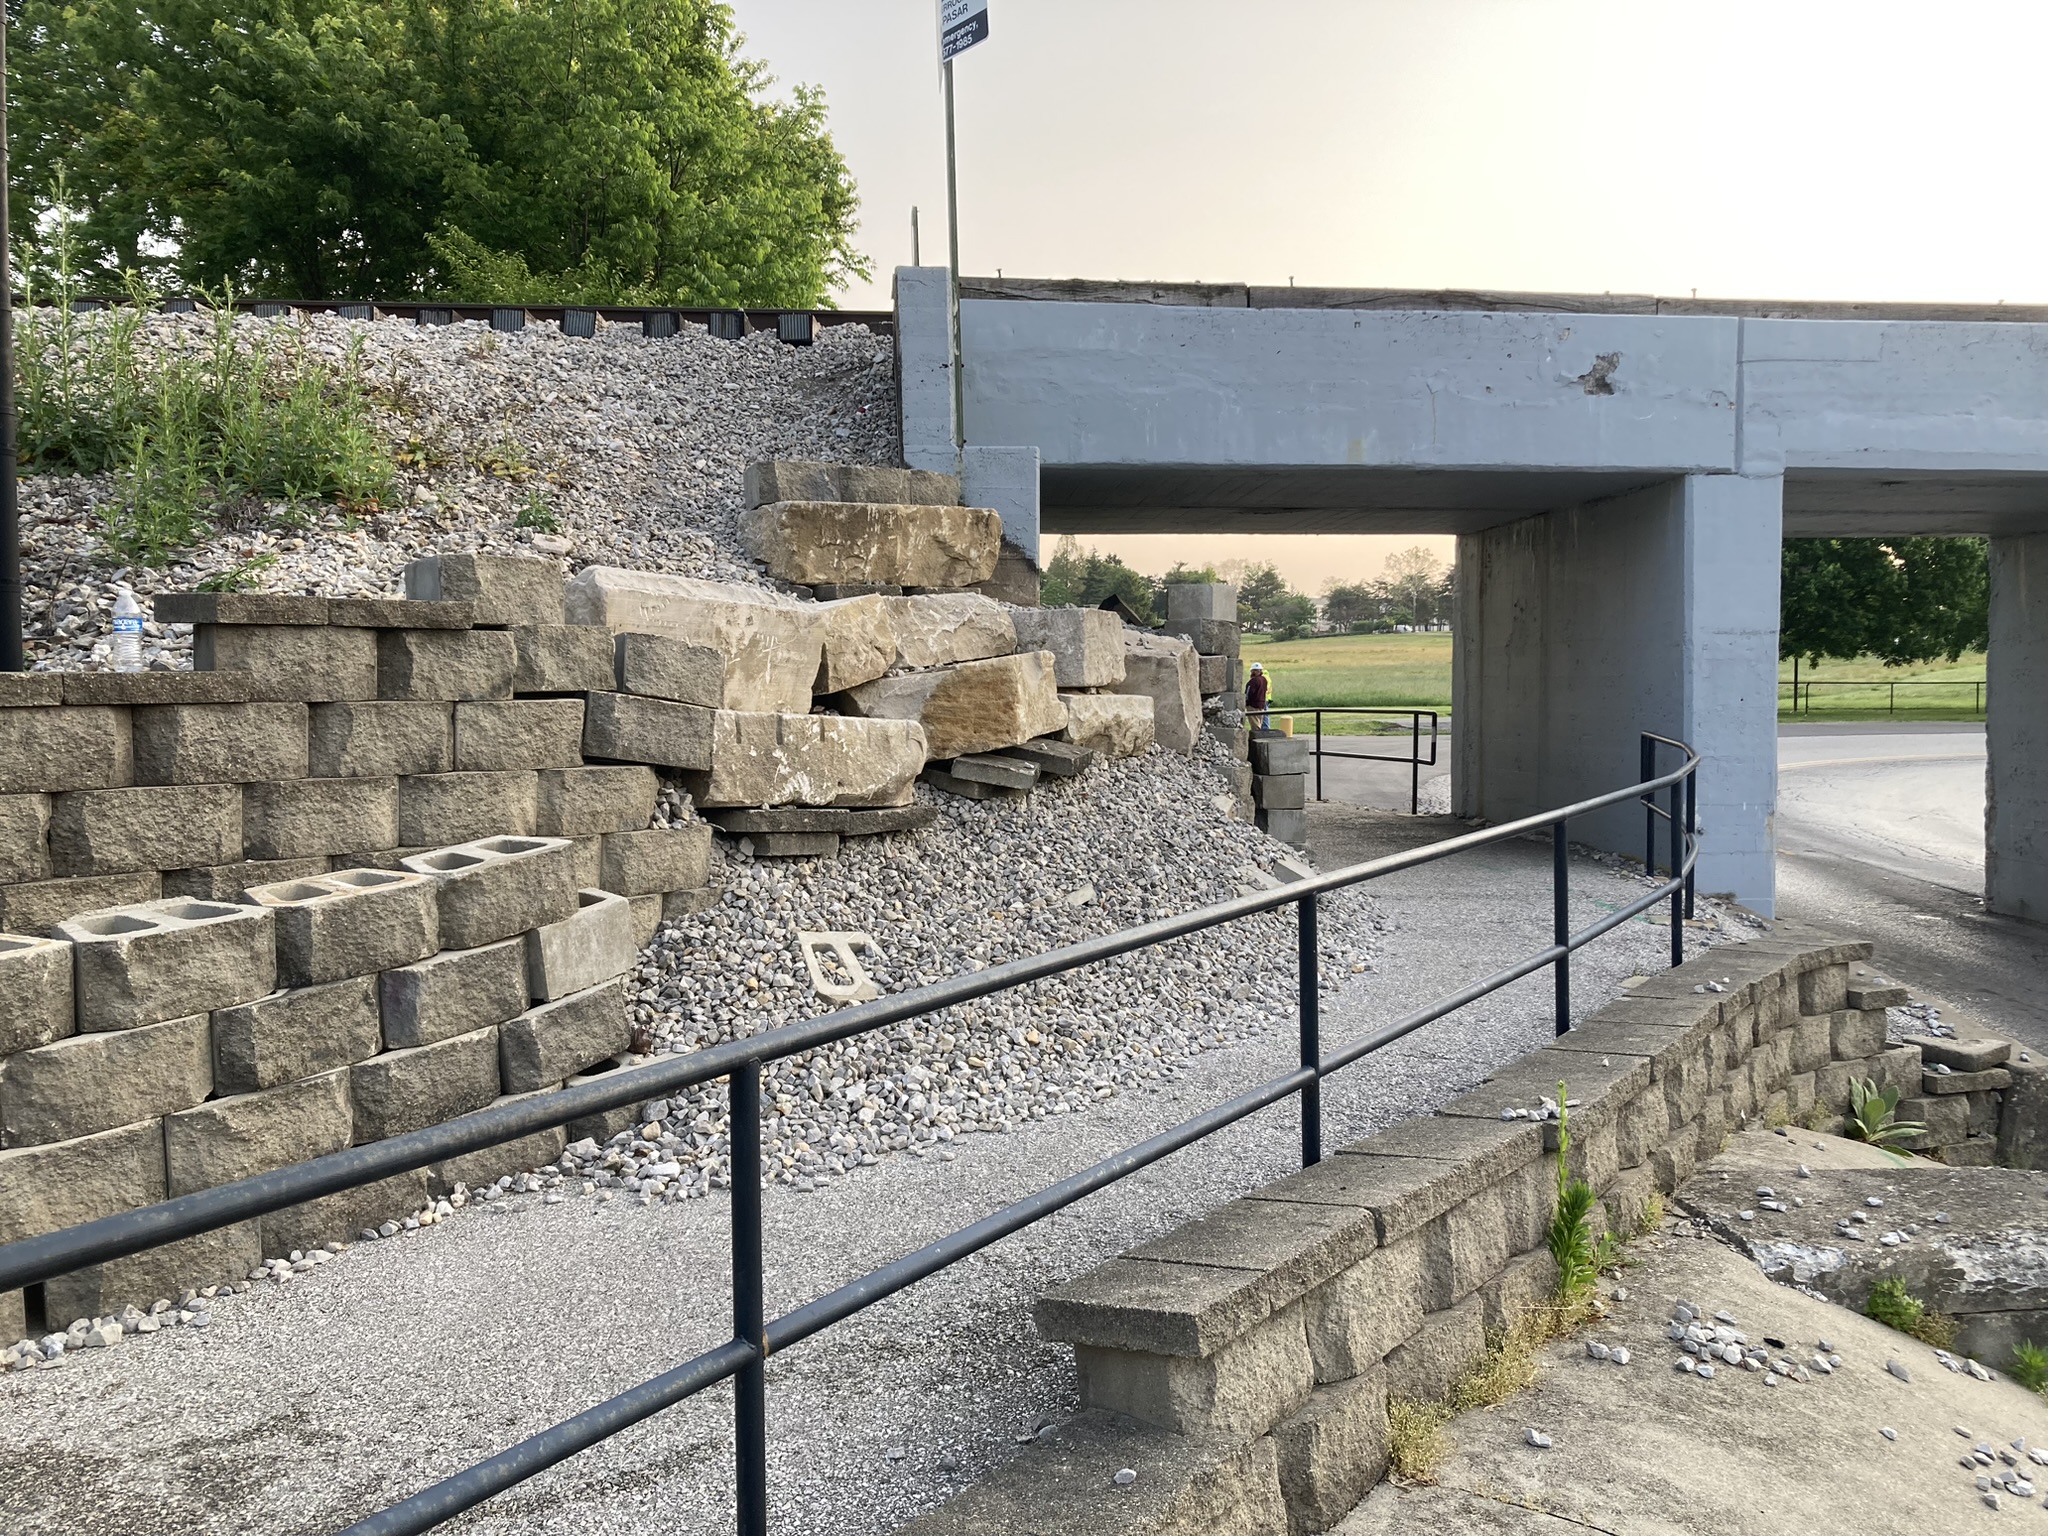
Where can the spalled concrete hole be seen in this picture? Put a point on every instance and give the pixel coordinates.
(1598, 379)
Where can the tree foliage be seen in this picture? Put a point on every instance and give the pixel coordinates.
(490, 150)
(1903, 601)
(1081, 578)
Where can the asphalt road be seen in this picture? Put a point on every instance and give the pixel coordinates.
(1881, 831)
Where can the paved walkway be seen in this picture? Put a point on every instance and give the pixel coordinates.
(305, 1406)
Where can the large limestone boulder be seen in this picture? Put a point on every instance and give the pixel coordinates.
(941, 628)
(883, 543)
(772, 645)
(761, 759)
(860, 641)
(1113, 724)
(1168, 672)
(1086, 643)
(977, 706)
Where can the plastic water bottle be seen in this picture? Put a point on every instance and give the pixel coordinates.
(127, 632)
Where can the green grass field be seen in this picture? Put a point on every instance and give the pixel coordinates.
(1414, 671)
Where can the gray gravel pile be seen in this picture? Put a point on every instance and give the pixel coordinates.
(637, 448)
(1122, 844)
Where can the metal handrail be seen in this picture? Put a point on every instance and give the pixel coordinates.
(1415, 760)
(1807, 685)
(743, 1358)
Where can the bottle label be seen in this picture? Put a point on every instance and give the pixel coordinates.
(130, 624)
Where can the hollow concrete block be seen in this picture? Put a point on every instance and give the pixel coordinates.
(299, 1033)
(84, 1084)
(299, 818)
(657, 859)
(42, 904)
(377, 738)
(496, 887)
(585, 802)
(245, 1134)
(307, 664)
(226, 882)
(44, 750)
(450, 664)
(402, 1091)
(435, 810)
(220, 743)
(500, 735)
(591, 945)
(123, 831)
(452, 993)
(555, 1040)
(36, 1006)
(354, 923)
(168, 959)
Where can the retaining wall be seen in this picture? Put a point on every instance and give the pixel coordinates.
(1242, 1364)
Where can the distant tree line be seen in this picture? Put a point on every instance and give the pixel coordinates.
(1414, 588)
(484, 150)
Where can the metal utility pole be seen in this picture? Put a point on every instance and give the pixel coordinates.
(915, 252)
(962, 24)
(12, 658)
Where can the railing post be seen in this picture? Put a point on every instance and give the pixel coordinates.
(1311, 1030)
(750, 1387)
(1692, 829)
(1415, 764)
(1649, 772)
(1561, 922)
(1319, 754)
(1678, 889)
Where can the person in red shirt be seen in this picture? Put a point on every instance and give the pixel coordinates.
(1257, 695)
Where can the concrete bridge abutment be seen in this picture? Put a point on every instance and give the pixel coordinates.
(2016, 731)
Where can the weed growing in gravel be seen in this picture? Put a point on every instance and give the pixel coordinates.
(1896, 1307)
(537, 515)
(1872, 1115)
(1416, 1442)
(2029, 1366)
(240, 577)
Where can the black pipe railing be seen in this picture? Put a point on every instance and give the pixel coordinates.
(1413, 758)
(743, 1358)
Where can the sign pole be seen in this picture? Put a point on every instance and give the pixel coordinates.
(12, 658)
(953, 273)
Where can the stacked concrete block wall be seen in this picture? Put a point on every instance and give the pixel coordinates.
(1279, 771)
(1249, 1356)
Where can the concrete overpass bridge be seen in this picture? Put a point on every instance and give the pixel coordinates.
(1619, 472)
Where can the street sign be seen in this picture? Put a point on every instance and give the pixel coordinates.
(962, 24)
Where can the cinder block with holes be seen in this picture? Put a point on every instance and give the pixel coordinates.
(168, 960)
(496, 887)
(353, 923)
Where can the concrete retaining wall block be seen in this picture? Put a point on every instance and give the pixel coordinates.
(500, 886)
(657, 859)
(36, 1006)
(227, 882)
(501, 590)
(312, 665)
(627, 728)
(585, 802)
(662, 667)
(500, 735)
(165, 959)
(1240, 1391)
(42, 750)
(1858, 1032)
(452, 993)
(591, 946)
(354, 923)
(1443, 1349)
(561, 658)
(451, 664)
(1825, 989)
(68, 1183)
(341, 1216)
(123, 831)
(556, 1040)
(85, 1084)
(443, 808)
(376, 739)
(1333, 1450)
(218, 1257)
(291, 1035)
(24, 838)
(241, 1136)
(1354, 1320)
(488, 1164)
(299, 818)
(220, 743)
(42, 904)
(402, 1091)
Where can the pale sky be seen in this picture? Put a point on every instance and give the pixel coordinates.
(1791, 149)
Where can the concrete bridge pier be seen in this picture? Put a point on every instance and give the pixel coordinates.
(1578, 628)
(2016, 730)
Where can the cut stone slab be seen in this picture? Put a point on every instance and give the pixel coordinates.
(1111, 724)
(1087, 643)
(860, 643)
(398, 613)
(627, 728)
(763, 759)
(24, 838)
(772, 645)
(585, 802)
(1055, 759)
(36, 1004)
(121, 831)
(246, 1134)
(939, 629)
(561, 658)
(974, 707)
(443, 808)
(354, 923)
(1166, 671)
(452, 993)
(1214, 675)
(39, 906)
(584, 950)
(1189, 1310)
(444, 664)
(239, 608)
(656, 859)
(300, 818)
(772, 480)
(1965, 1055)
(790, 845)
(378, 739)
(789, 818)
(501, 590)
(898, 818)
(496, 887)
(84, 1084)
(1189, 601)
(558, 1039)
(290, 1035)
(969, 789)
(1006, 772)
(402, 1091)
(168, 959)
(60, 749)
(662, 667)
(285, 662)
(123, 688)
(942, 547)
(506, 735)
(226, 882)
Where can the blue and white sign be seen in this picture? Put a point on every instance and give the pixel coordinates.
(962, 24)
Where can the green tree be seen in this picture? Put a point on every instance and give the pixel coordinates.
(1258, 588)
(1346, 603)
(1903, 601)
(1081, 578)
(1416, 581)
(1290, 616)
